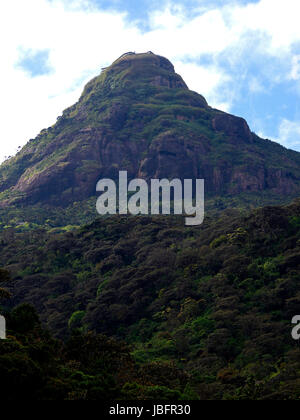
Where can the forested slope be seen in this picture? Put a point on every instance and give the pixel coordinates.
(215, 301)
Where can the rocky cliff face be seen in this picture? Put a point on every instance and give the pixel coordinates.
(140, 116)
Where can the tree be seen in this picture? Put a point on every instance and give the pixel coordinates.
(4, 278)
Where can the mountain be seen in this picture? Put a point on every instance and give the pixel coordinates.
(205, 311)
(139, 115)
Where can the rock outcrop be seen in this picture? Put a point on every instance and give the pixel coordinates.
(140, 116)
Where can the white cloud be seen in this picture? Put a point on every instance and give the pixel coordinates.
(81, 39)
(206, 79)
(277, 19)
(289, 134)
(295, 72)
(206, 33)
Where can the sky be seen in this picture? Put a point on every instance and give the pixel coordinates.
(242, 55)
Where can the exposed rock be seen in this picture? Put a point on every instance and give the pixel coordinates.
(139, 116)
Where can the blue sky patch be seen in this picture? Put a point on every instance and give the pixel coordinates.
(35, 63)
(140, 9)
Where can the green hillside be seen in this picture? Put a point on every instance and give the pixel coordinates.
(215, 302)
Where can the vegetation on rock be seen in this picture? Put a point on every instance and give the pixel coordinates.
(139, 116)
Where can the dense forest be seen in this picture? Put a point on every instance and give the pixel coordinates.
(35, 366)
(159, 309)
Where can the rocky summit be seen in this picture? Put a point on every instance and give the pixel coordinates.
(139, 116)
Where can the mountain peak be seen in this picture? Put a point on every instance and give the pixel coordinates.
(131, 71)
(139, 116)
(148, 58)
